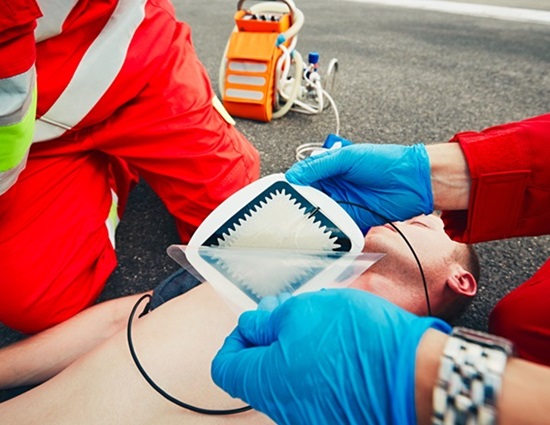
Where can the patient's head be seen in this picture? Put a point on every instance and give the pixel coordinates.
(451, 269)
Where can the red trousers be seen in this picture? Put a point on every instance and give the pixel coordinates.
(523, 316)
(55, 251)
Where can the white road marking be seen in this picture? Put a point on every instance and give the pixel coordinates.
(482, 10)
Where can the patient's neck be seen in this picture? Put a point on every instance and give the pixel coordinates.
(400, 292)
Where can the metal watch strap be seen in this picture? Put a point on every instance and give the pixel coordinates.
(469, 379)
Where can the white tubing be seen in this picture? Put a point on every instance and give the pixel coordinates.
(298, 65)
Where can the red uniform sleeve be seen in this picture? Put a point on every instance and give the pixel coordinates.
(510, 193)
(17, 47)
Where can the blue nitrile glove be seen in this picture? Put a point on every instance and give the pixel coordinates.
(271, 302)
(391, 180)
(329, 357)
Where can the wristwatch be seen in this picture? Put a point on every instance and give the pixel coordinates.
(470, 376)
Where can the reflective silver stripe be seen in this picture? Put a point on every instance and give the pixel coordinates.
(244, 94)
(54, 14)
(247, 66)
(15, 97)
(95, 73)
(245, 80)
(8, 178)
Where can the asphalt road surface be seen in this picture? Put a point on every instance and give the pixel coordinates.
(405, 75)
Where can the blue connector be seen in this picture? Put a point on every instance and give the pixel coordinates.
(313, 58)
(335, 141)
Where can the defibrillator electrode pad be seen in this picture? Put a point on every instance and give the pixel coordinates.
(272, 237)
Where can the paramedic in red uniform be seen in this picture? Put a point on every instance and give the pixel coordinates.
(93, 95)
(491, 185)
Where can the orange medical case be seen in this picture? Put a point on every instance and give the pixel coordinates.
(251, 60)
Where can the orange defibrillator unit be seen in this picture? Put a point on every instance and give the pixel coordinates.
(258, 51)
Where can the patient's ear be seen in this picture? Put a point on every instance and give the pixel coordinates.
(462, 281)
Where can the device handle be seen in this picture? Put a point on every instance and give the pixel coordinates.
(270, 6)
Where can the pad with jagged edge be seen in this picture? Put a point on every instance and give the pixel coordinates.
(277, 219)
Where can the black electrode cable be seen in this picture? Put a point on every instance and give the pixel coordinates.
(247, 408)
(155, 386)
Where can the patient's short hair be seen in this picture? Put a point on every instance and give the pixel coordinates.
(466, 255)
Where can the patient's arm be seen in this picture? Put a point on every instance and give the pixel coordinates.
(39, 357)
(175, 343)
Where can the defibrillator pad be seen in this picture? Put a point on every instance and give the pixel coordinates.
(273, 237)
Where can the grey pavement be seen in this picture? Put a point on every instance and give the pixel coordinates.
(405, 76)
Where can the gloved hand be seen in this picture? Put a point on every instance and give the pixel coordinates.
(271, 302)
(391, 180)
(328, 357)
